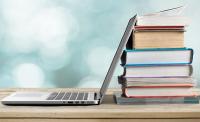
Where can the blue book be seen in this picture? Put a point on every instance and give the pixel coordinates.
(157, 56)
(122, 100)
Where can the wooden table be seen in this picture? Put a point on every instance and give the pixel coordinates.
(106, 112)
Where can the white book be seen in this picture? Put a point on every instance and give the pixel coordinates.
(159, 92)
(157, 56)
(169, 17)
(158, 71)
(162, 21)
(170, 81)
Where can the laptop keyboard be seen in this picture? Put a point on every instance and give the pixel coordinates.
(68, 96)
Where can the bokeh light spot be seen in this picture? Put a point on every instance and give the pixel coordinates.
(28, 75)
(99, 60)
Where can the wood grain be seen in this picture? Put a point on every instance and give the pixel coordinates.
(106, 112)
(100, 120)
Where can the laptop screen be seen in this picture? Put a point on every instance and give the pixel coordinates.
(117, 56)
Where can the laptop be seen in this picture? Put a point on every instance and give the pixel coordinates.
(72, 98)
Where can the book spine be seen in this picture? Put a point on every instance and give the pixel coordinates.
(190, 70)
(120, 79)
(130, 42)
(192, 55)
(123, 58)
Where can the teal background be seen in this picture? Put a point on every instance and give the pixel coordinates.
(70, 43)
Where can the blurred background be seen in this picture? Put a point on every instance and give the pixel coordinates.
(70, 43)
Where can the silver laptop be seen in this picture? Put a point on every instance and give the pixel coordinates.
(72, 98)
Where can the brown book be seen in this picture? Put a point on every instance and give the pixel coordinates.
(158, 39)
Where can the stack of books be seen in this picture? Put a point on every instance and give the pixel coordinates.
(157, 66)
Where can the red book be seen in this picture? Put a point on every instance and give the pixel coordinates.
(159, 28)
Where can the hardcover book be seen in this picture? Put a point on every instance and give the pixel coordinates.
(169, 17)
(157, 66)
(159, 92)
(153, 38)
(158, 71)
(122, 100)
(158, 82)
(157, 56)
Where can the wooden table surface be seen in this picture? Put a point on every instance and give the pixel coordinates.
(108, 111)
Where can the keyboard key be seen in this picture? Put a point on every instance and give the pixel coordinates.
(80, 96)
(52, 96)
(86, 96)
(67, 96)
(73, 96)
(60, 96)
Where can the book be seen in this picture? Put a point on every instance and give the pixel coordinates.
(122, 100)
(164, 29)
(160, 85)
(158, 71)
(169, 17)
(157, 66)
(159, 28)
(122, 79)
(162, 20)
(159, 82)
(158, 38)
(158, 92)
(157, 56)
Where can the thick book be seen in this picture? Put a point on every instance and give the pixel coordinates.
(123, 79)
(159, 82)
(157, 56)
(158, 71)
(158, 38)
(131, 81)
(159, 92)
(122, 100)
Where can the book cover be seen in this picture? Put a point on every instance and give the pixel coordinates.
(157, 56)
